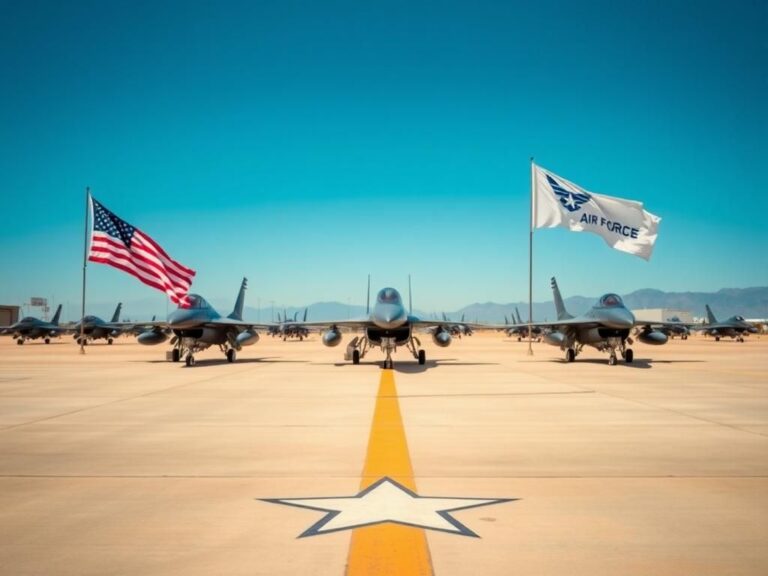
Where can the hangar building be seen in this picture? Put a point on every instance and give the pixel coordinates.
(8, 315)
(663, 315)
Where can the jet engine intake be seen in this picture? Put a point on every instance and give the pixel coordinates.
(247, 338)
(441, 337)
(152, 337)
(332, 337)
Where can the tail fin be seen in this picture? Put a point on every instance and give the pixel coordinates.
(519, 319)
(462, 318)
(296, 316)
(305, 314)
(562, 313)
(710, 317)
(506, 320)
(55, 320)
(237, 312)
(116, 315)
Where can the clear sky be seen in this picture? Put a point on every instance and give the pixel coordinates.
(305, 144)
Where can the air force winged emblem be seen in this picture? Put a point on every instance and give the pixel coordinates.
(572, 201)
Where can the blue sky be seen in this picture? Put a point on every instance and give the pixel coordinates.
(305, 144)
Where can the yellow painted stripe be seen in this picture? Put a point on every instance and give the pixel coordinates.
(388, 549)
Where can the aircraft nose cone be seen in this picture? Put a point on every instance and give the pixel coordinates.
(619, 319)
(390, 318)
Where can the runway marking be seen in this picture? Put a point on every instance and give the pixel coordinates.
(388, 548)
(387, 516)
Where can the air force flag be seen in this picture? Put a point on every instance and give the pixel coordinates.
(623, 224)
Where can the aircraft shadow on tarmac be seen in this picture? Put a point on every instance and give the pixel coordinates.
(641, 363)
(203, 363)
(413, 367)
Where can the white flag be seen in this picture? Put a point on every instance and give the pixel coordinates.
(623, 224)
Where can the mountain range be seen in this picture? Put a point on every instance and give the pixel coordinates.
(748, 302)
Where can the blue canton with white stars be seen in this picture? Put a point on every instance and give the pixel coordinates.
(105, 221)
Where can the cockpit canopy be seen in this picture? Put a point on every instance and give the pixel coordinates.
(26, 320)
(611, 301)
(740, 318)
(196, 302)
(388, 296)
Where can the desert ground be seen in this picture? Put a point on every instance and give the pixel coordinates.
(119, 462)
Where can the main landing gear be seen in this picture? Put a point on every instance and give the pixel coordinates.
(187, 347)
(360, 345)
(612, 345)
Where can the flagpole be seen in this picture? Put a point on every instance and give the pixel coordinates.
(530, 263)
(85, 262)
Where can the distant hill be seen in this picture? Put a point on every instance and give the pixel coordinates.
(749, 302)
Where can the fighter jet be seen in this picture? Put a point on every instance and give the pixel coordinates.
(94, 328)
(606, 327)
(387, 326)
(198, 326)
(294, 329)
(459, 329)
(676, 327)
(520, 329)
(30, 328)
(735, 327)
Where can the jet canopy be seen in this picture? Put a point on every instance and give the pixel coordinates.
(740, 318)
(196, 302)
(388, 296)
(26, 320)
(611, 301)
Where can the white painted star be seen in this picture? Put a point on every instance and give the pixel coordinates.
(387, 501)
(571, 201)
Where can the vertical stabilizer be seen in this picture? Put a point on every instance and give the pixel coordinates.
(55, 320)
(562, 313)
(710, 317)
(237, 312)
(519, 319)
(305, 314)
(116, 315)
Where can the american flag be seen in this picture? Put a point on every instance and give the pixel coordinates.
(117, 243)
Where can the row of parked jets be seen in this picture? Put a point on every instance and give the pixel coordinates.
(609, 326)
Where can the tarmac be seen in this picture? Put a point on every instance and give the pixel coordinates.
(118, 462)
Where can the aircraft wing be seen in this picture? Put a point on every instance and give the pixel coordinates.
(473, 325)
(569, 323)
(356, 324)
(663, 323)
(230, 323)
(718, 326)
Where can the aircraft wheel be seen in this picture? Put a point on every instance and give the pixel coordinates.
(570, 355)
(629, 356)
(612, 360)
(355, 356)
(175, 355)
(20, 341)
(231, 355)
(190, 360)
(109, 341)
(519, 339)
(422, 357)
(717, 338)
(47, 340)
